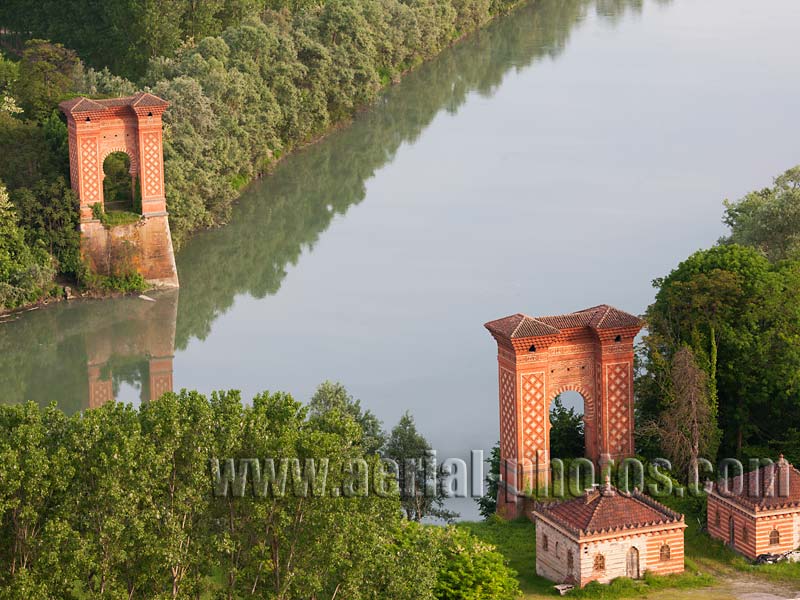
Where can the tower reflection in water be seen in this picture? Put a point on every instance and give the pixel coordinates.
(83, 354)
(137, 349)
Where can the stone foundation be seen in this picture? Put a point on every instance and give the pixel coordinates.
(144, 246)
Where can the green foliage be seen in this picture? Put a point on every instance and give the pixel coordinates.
(28, 151)
(48, 73)
(113, 218)
(739, 314)
(566, 431)
(126, 282)
(25, 271)
(414, 457)
(332, 397)
(768, 219)
(487, 504)
(516, 541)
(119, 192)
(473, 570)
(49, 213)
(115, 502)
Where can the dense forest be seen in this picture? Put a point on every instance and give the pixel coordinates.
(734, 311)
(117, 503)
(247, 82)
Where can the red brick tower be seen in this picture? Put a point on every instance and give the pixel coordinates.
(131, 125)
(590, 352)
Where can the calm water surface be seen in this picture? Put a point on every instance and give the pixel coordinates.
(562, 158)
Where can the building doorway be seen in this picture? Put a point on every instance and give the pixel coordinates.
(632, 564)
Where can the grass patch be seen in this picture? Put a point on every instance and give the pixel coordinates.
(126, 283)
(516, 541)
(114, 218)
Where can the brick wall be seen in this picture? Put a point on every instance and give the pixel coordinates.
(145, 246)
(752, 533)
(552, 563)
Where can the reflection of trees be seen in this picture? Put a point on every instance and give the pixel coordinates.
(276, 220)
(51, 355)
(78, 354)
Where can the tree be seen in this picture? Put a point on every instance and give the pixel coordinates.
(487, 504)
(688, 427)
(473, 570)
(25, 272)
(566, 431)
(179, 429)
(51, 219)
(333, 397)
(768, 220)
(48, 73)
(738, 313)
(420, 481)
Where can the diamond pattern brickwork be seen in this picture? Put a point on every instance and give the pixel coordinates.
(508, 415)
(619, 400)
(153, 177)
(73, 162)
(90, 180)
(534, 414)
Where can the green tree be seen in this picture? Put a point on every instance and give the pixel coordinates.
(473, 570)
(487, 504)
(738, 314)
(768, 219)
(179, 428)
(420, 481)
(331, 396)
(48, 73)
(35, 471)
(566, 431)
(51, 215)
(25, 272)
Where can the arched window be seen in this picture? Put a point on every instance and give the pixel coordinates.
(745, 535)
(545, 542)
(599, 562)
(716, 517)
(665, 552)
(774, 537)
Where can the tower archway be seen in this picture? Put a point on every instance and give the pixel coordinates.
(131, 125)
(588, 351)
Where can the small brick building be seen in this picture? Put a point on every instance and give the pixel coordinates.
(606, 534)
(757, 512)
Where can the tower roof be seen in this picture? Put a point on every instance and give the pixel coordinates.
(89, 105)
(608, 510)
(597, 317)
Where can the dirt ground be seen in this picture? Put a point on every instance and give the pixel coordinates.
(736, 587)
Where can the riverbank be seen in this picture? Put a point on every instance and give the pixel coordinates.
(242, 101)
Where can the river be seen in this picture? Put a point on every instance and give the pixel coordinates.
(561, 158)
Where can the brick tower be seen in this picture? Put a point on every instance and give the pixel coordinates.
(590, 352)
(131, 125)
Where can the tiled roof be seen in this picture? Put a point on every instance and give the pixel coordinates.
(597, 317)
(142, 99)
(81, 105)
(608, 510)
(763, 488)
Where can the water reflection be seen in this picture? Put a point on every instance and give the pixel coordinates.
(275, 222)
(79, 355)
